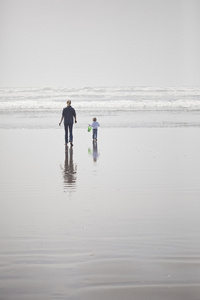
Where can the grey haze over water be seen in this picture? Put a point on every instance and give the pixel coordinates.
(113, 106)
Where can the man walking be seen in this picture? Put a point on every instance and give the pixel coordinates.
(69, 115)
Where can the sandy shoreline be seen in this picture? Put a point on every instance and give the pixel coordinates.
(118, 219)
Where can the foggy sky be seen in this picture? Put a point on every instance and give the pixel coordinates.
(99, 43)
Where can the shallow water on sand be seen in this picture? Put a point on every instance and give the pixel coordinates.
(108, 220)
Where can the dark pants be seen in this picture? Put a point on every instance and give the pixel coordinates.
(68, 127)
(94, 134)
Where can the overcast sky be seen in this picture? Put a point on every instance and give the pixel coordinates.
(99, 43)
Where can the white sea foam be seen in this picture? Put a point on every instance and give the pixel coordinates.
(103, 98)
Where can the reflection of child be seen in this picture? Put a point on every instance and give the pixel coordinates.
(95, 152)
(94, 126)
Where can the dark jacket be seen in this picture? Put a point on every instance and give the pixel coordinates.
(69, 114)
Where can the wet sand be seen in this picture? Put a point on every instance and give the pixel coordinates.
(117, 219)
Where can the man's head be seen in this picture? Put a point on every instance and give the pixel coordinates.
(68, 102)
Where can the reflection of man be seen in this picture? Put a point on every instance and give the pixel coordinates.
(69, 115)
(69, 171)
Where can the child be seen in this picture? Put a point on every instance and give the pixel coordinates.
(94, 126)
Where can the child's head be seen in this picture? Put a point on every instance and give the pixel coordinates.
(94, 119)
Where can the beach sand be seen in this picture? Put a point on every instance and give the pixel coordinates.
(116, 219)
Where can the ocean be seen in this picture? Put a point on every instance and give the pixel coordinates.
(113, 106)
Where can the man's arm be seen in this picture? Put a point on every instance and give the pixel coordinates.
(61, 121)
(75, 116)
